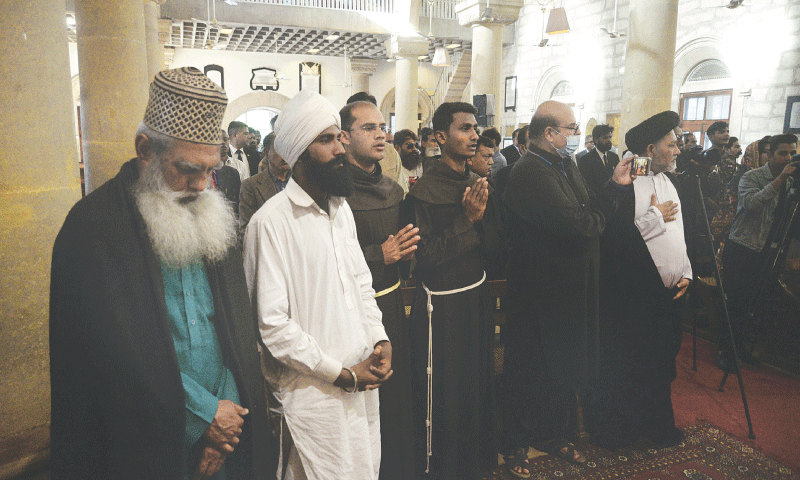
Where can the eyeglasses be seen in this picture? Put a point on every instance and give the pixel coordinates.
(574, 129)
(410, 146)
(371, 127)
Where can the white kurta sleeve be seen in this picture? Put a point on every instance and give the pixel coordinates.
(651, 224)
(267, 274)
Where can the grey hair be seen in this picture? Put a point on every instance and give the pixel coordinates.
(159, 142)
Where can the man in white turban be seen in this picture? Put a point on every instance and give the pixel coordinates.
(324, 348)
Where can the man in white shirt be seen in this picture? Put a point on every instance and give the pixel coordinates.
(239, 135)
(644, 273)
(324, 348)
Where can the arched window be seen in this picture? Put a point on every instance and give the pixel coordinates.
(706, 104)
(562, 89)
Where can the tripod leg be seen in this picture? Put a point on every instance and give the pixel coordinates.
(722, 384)
(727, 316)
(694, 343)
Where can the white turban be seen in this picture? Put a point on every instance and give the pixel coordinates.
(305, 116)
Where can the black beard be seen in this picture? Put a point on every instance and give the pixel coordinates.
(330, 179)
(603, 148)
(411, 160)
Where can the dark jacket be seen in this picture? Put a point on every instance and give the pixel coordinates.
(117, 398)
(255, 192)
(553, 268)
(594, 172)
(511, 153)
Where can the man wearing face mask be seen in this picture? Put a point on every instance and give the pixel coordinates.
(552, 286)
(598, 165)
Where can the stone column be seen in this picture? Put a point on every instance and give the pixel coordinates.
(405, 93)
(487, 24)
(112, 60)
(360, 71)
(39, 183)
(649, 61)
(155, 48)
(406, 50)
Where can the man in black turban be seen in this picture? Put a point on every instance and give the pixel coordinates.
(644, 273)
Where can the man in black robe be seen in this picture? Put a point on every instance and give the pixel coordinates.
(388, 246)
(551, 329)
(154, 366)
(448, 204)
(644, 272)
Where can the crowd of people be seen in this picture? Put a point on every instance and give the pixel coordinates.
(220, 310)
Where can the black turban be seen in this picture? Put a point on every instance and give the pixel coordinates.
(650, 131)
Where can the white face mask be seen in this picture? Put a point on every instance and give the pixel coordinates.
(432, 151)
(573, 142)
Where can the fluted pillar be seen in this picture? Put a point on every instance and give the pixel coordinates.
(406, 50)
(649, 61)
(155, 48)
(112, 60)
(360, 71)
(487, 22)
(39, 183)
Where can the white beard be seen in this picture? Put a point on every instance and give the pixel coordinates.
(184, 232)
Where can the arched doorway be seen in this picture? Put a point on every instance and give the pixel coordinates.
(424, 109)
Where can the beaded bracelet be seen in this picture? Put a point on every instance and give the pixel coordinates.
(355, 382)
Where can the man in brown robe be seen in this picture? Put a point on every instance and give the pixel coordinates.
(451, 326)
(387, 247)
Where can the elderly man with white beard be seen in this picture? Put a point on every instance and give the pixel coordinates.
(644, 273)
(154, 363)
(323, 340)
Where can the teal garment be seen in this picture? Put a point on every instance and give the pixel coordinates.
(206, 380)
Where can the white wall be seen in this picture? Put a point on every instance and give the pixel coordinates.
(760, 43)
(238, 68)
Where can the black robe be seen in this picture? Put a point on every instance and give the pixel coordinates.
(452, 253)
(551, 331)
(640, 335)
(375, 203)
(116, 393)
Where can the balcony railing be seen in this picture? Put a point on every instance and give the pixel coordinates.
(444, 9)
(376, 6)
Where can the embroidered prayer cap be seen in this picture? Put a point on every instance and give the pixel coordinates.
(650, 131)
(185, 104)
(305, 116)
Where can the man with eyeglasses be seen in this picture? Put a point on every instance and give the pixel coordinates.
(550, 350)
(154, 370)
(388, 248)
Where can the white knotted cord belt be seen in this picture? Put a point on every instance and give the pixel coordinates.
(429, 419)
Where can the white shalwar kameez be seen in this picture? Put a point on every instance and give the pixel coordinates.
(312, 291)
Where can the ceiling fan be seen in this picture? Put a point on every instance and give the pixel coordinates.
(212, 23)
(543, 41)
(613, 33)
(732, 4)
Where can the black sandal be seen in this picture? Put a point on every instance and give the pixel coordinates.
(569, 455)
(518, 459)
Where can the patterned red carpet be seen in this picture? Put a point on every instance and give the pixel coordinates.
(707, 453)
